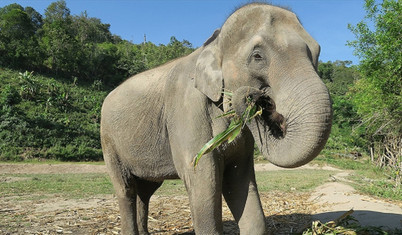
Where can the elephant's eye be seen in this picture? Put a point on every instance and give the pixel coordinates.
(257, 56)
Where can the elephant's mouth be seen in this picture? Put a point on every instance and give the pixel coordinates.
(270, 118)
(272, 121)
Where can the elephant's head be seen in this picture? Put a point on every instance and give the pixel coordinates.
(263, 52)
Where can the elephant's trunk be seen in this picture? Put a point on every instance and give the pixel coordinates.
(296, 130)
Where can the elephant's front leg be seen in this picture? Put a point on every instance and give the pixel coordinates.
(204, 187)
(241, 194)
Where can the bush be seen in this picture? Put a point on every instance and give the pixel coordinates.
(59, 120)
(9, 96)
(9, 153)
(72, 152)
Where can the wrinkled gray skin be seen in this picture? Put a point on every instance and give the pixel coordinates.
(154, 124)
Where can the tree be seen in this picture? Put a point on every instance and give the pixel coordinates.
(62, 49)
(177, 49)
(76, 45)
(325, 71)
(132, 58)
(377, 95)
(35, 17)
(18, 45)
(57, 11)
(91, 29)
(15, 22)
(339, 76)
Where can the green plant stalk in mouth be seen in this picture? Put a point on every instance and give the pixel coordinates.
(234, 129)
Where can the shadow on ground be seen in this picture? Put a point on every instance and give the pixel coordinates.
(387, 221)
(288, 224)
(277, 224)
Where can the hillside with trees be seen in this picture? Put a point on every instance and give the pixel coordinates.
(79, 46)
(53, 112)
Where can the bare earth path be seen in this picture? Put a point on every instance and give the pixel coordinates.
(285, 212)
(336, 197)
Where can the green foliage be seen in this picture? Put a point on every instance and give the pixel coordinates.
(29, 86)
(76, 45)
(58, 118)
(338, 76)
(377, 96)
(73, 152)
(367, 177)
(379, 187)
(57, 11)
(346, 133)
(134, 59)
(41, 117)
(90, 29)
(350, 138)
(9, 96)
(18, 29)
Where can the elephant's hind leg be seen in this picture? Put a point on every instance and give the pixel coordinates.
(126, 196)
(124, 184)
(145, 189)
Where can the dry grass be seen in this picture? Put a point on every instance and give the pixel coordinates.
(83, 204)
(285, 213)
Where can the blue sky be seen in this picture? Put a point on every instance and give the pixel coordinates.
(196, 20)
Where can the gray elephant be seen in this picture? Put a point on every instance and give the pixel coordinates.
(154, 124)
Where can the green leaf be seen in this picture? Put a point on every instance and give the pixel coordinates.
(255, 113)
(228, 134)
(235, 133)
(236, 125)
(227, 93)
(230, 113)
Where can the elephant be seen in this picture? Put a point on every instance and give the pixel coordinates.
(154, 123)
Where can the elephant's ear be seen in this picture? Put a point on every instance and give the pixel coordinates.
(313, 46)
(208, 70)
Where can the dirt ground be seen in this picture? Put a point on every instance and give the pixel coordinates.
(285, 212)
